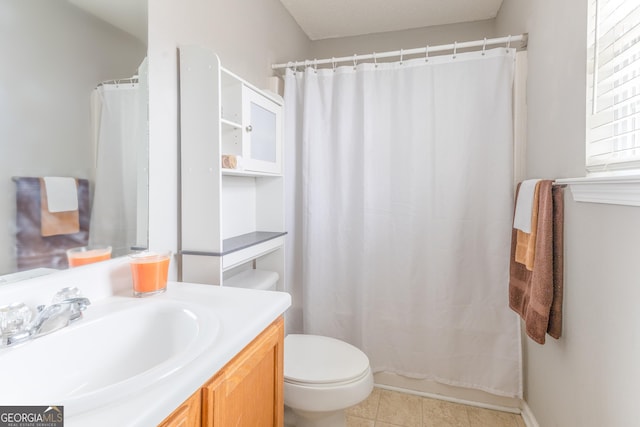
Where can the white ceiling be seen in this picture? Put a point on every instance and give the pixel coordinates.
(128, 15)
(322, 19)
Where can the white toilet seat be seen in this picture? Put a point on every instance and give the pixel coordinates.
(322, 374)
(318, 360)
(362, 376)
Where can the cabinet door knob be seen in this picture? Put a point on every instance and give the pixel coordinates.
(249, 128)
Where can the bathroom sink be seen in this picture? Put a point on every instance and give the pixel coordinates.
(119, 348)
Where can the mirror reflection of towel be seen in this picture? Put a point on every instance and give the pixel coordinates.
(32, 249)
(55, 221)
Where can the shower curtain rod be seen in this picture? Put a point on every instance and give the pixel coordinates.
(401, 53)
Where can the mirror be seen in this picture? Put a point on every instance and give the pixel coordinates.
(55, 55)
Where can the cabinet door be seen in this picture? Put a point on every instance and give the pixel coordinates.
(189, 414)
(248, 392)
(262, 141)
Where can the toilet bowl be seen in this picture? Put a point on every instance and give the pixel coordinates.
(323, 376)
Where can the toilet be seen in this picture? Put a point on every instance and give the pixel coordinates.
(323, 376)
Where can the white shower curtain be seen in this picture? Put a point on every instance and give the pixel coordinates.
(119, 132)
(400, 206)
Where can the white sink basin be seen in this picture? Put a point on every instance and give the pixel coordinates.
(120, 347)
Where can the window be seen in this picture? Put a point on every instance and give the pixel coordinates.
(613, 108)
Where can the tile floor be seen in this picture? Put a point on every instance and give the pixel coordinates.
(385, 408)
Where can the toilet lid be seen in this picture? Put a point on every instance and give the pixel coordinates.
(315, 359)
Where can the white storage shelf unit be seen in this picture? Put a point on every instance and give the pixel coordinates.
(232, 220)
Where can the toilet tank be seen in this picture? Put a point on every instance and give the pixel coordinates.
(254, 279)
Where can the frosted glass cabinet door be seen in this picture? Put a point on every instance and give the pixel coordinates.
(262, 145)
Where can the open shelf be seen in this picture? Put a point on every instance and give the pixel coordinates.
(253, 279)
(245, 241)
(240, 249)
(238, 243)
(237, 172)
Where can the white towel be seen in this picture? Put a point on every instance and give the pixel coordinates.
(524, 205)
(62, 194)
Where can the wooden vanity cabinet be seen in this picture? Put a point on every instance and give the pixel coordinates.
(189, 414)
(246, 392)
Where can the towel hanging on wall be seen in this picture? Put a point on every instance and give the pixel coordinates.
(537, 294)
(526, 240)
(525, 205)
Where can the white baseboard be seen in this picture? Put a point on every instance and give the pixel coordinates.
(451, 399)
(527, 415)
(431, 388)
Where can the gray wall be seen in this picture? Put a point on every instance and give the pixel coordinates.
(589, 377)
(396, 40)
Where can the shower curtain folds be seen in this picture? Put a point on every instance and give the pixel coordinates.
(116, 111)
(400, 225)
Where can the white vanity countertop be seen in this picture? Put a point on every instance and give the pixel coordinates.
(242, 315)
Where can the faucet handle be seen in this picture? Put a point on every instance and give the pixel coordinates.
(15, 319)
(65, 294)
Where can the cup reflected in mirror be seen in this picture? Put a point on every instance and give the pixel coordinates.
(87, 255)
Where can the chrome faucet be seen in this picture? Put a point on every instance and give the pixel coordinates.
(49, 319)
(57, 316)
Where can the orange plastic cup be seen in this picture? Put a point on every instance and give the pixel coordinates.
(149, 271)
(88, 255)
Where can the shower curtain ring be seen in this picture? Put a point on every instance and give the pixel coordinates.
(484, 46)
(509, 42)
(455, 49)
(355, 61)
(333, 64)
(426, 54)
(401, 55)
(315, 65)
(375, 60)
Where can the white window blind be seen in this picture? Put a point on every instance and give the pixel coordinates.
(613, 110)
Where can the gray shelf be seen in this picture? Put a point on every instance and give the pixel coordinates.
(237, 243)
